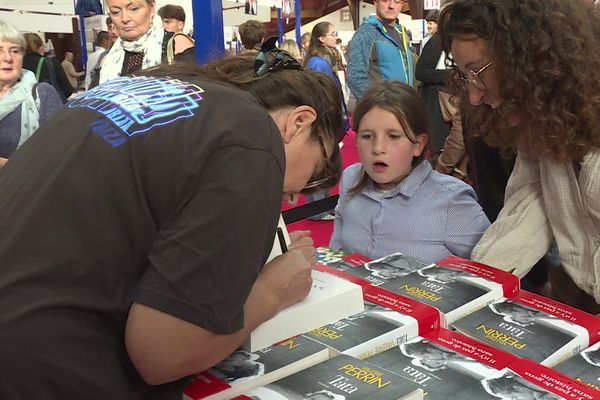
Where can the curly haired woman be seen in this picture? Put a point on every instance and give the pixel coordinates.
(531, 73)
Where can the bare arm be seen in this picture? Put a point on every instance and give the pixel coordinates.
(182, 43)
(164, 348)
(3, 161)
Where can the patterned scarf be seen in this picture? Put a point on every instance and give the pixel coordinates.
(150, 44)
(21, 94)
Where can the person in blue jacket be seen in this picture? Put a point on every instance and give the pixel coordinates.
(380, 49)
(322, 56)
(88, 7)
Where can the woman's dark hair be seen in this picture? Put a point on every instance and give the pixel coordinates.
(318, 49)
(276, 90)
(407, 106)
(547, 66)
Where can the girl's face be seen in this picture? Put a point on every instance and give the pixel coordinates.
(329, 39)
(132, 18)
(471, 53)
(384, 148)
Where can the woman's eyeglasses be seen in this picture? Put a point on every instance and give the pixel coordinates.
(472, 77)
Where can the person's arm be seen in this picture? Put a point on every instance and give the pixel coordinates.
(182, 42)
(319, 64)
(3, 161)
(70, 70)
(164, 348)
(425, 70)
(203, 290)
(50, 101)
(359, 54)
(61, 77)
(466, 222)
(454, 152)
(521, 234)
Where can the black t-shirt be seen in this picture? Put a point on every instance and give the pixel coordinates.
(150, 190)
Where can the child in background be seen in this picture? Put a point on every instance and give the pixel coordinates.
(393, 201)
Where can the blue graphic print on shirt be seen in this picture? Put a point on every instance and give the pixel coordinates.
(133, 106)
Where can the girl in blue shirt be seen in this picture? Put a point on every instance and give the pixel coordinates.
(393, 201)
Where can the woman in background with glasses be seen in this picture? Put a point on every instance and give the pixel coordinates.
(322, 57)
(531, 73)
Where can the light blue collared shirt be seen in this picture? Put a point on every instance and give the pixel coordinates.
(427, 216)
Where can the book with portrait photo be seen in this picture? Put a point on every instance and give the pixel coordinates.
(367, 333)
(381, 271)
(445, 364)
(525, 379)
(341, 378)
(243, 370)
(533, 327)
(584, 367)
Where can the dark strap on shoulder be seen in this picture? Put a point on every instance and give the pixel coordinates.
(34, 91)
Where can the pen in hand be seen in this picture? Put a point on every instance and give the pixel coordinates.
(281, 238)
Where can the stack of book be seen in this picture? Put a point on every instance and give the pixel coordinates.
(382, 336)
(533, 327)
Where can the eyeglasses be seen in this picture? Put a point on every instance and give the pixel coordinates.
(473, 78)
(329, 175)
(270, 59)
(334, 33)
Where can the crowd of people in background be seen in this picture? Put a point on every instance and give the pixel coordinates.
(482, 142)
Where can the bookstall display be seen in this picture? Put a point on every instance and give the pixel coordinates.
(533, 327)
(500, 343)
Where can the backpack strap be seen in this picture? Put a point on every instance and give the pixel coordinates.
(38, 69)
(35, 95)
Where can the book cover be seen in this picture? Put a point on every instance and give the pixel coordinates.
(525, 379)
(530, 326)
(428, 318)
(330, 299)
(243, 370)
(456, 288)
(326, 255)
(510, 282)
(381, 271)
(445, 365)
(583, 367)
(341, 378)
(367, 333)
